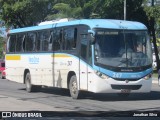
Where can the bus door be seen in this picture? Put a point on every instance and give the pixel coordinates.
(83, 62)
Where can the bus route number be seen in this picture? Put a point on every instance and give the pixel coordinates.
(117, 75)
(69, 63)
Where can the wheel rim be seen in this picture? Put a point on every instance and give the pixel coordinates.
(74, 87)
(28, 82)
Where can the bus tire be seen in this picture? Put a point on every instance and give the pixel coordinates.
(73, 87)
(29, 86)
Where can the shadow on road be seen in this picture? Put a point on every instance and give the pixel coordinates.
(153, 95)
(57, 92)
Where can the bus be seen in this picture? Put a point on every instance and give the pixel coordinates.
(95, 55)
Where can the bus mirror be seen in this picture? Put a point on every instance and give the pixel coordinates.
(92, 33)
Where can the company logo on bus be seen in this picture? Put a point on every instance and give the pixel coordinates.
(33, 60)
(127, 81)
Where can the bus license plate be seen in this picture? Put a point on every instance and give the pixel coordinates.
(125, 90)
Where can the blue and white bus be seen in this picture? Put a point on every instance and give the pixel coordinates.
(96, 55)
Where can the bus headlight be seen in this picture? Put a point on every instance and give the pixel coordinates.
(148, 76)
(101, 75)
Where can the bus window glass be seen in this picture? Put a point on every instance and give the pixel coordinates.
(19, 43)
(38, 43)
(70, 36)
(50, 41)
(45, 40)
(122, 48)
(84, 47)
(30, 42)
(56, 40)
(74, 43)
(12, 43)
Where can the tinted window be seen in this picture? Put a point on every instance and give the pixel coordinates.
(57, 38)
(19, 43)
(84, 47)
(30, 42)
(12, 43)
(43, 40)
(38, 43)
(50, 42)
(70, 38)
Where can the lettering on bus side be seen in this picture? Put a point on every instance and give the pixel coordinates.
(33, 60)
(69, 63)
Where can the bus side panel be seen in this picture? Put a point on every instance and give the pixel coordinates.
(14, 68)
(63, 64)
(40, 66)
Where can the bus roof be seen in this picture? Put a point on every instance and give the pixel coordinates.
(92, 23)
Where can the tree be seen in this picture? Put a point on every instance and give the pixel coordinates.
(109, 9)
(2, 43)
(153, 13)
(72, 9)
(22, 13)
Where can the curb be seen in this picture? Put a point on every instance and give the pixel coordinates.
(155, 80)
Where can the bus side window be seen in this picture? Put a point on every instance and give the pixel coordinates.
(38, 42)
(30, 42)
(56, 40)
(50, 41)
(67, 39)
(62, 39)
(84, 43)
(90, 54)
(19, 43)
(70, 38)
(12, 43)
(74, 43)
(42, 42)
(45, 40)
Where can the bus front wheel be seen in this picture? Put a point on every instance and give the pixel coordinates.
(73, 87)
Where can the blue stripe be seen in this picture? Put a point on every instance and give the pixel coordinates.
(92, 23)
(123, 75)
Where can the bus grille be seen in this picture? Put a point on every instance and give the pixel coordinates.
(118, 79)
(131, 87)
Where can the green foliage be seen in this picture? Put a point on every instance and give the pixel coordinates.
(109, 9)
(153, 11)
(1, 47)
(20, 13)
(69, 9)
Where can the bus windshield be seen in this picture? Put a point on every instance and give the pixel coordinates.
(122, 48)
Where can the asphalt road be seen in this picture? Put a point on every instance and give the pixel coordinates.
(13, 97)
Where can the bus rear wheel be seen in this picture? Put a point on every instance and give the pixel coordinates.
(73, 87)
(29, 86)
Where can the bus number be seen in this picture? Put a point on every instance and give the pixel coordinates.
(117, 75)
(69, 63)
